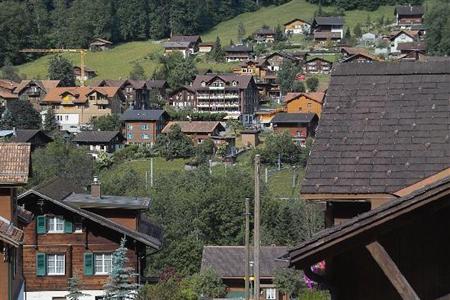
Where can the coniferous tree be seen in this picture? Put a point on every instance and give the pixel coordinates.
(50, 123)
(286, 76)
(138, 72)
(75, 289)
(60, 68)
(217, 54)
(121, 283)
(7, 120)
(241, 32)
(312, 83)
(21, 114)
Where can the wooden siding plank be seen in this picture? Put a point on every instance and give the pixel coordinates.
(391, 271)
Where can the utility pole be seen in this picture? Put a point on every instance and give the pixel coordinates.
(151, 172)
(257, 243)
(247, 249)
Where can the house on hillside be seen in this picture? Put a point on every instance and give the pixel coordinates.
(297, 26)
(35, 137)
(198, 131)
(143, 126)
(328, 28)
(135, 92)
(74, 233)
(304, 102)
(157, 89)
(229, 263)
(361, 58)
(318, 65)
(238, 53)
(99, 44)
(205, 47)
(88, 73)
(404, 139)
(7, 94)
(182, 98)
(186, 44)
(408, 15)
(299, 125)
(256, 68)
(14, 172)
(264, 35)
(276, 59)
(35, 91)
(99, 141)
(235, 95)
(75, 107)
(416, 47)
(403, 36)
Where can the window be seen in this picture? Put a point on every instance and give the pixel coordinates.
(78, 228)
(130, 127)
(130, 136)
(145, 136)
(103, 263)
(66, 118)
(144, 127)
(55, 225)
(309, 107)
(56, 264)
(271, 294)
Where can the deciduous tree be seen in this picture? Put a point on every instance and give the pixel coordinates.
(60, 68)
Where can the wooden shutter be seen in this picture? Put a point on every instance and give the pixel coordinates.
(68, 226)
(41, 224)
(41, 264)
(88, 263)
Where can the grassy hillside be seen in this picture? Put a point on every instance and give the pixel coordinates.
(115, 63)
(274, 15)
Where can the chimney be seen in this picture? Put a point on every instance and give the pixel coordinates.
(95, 188)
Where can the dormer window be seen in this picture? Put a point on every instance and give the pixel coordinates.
(203, 83)
(234, 83)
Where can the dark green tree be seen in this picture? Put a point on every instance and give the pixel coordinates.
(298, 87)
(50, 123)
(9, 72)
(106, 123)
(287, 75)
(241, 32)
(60, 68)
(177, 70)
(138, 72)
(217, 54)
(289, 281)
(208, 284)
(312, 83)
(175, 144)
(437, 20)
(62, 159)
(21, 114)
(279, 34)
(280, 145)
(357, 31)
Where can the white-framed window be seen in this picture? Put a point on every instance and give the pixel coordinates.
(130, 127)
(56, 264)
(103, 263)
(271, 294)
(55, 224)
(145, 136)
(144, 127)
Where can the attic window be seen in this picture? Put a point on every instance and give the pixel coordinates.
(234, 83)
(203, 83)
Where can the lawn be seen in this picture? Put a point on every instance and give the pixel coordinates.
(282, 183)
(274, 15)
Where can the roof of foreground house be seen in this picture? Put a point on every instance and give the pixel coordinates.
(384, 127)
(95, 136)
(142, 114)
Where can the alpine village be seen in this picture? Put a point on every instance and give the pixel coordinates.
(204, 149)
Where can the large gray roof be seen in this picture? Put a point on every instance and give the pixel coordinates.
(293, 117)
(384, 126)
(338, 21)
(228, 261)
(142, 115)
(106, 201)
(409, 10)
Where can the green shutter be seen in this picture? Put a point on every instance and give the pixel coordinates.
(68, 227)
(88, 263)
(41, 264)
(41, 225)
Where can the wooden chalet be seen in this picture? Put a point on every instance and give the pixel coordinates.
(403, 36)
(328, 28)
(318, 65)
(88, 73)
(36, 137)
(205, 47)
(297, 26)
(276, 59)
(361, 58)
(238, 53)
(14, 172)
(143, 126)
(99, 141)
(408, 15)
(99, 44)
(229, 262)
(182, 98)
(299, 125)
(379, 139)
(74, 233)
(35, 91)
(396, 251)
(185, 44)
(198, 131)
(7, 93)
(304, 102)
(264, 35)
(135, 92)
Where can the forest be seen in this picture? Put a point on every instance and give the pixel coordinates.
(73, 23)
(363, 4)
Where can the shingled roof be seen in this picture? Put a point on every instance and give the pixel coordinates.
(142, 115)
(228, 261)
(409, 10)
(384, 127)
(9, 233)
(95, 136)
(194, 126)
(293, 118)
(14, 163)
(329, 21)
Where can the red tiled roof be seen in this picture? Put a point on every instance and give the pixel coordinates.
(80, 93)
(14, 163)
(193, 126)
